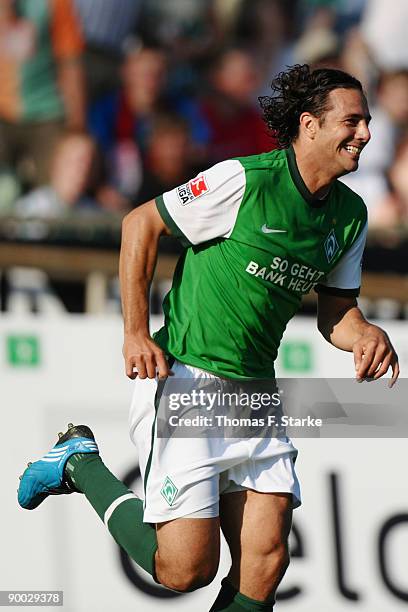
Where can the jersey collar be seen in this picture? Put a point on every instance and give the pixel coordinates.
(299, 182)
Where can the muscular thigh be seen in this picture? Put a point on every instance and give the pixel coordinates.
(254, 525)
(189, 543)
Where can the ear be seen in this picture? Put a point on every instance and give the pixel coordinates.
(308, 125)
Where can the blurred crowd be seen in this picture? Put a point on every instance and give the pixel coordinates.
(105, 104)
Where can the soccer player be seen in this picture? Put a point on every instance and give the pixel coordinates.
(259, 233)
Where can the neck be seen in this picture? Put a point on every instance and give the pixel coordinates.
(313, 171)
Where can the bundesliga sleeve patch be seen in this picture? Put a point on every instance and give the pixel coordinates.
(192, 190)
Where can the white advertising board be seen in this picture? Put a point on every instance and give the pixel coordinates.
(350, 538)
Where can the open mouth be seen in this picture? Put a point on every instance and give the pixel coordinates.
(354, 151)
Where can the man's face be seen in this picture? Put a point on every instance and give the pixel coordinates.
(343, 132)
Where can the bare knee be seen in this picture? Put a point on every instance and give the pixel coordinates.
(185, 577)
(276, 562)
(188, 553)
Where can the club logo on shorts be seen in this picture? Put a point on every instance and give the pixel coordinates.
(331, 246)
(192, 190)
(169, 491)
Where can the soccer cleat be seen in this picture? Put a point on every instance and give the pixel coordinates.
(46, 476)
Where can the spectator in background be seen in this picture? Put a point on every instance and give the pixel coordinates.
(384, 29)
(330, 38)
(107, 27)
(123, 120)
(75, 178)
(189, 32)
(347, 13)
(42, 87)
(226, 14)
(355, 59)
(319, 45)
(392, 208)
(168, 158)
(266, 28)
(235, 124)
(126, 114)
(389, 124)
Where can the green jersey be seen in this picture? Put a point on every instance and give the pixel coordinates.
(256, 241)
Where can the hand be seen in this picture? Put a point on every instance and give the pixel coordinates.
(374, 354)
(142, 353)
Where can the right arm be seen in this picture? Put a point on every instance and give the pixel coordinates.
(141, 230)
(202, 209)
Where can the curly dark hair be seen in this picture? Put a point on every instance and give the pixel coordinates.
(297, 90)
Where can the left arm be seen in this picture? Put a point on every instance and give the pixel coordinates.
(342, 323)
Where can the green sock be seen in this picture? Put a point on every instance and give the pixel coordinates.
(90, 476)
(230, 600)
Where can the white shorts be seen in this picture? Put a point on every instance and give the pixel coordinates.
(185, 476)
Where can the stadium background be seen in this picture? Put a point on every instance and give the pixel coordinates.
(117, 101)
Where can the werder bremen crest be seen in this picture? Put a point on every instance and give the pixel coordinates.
(169, 491)
(331, 246)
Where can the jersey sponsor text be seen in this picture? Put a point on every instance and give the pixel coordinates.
(294, 277)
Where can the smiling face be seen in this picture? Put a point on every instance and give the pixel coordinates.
(342, 132)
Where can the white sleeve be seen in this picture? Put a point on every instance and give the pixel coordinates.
(207, 206)
(347, 273)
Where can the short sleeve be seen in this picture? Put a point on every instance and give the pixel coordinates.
(207, 206)
(345, 278)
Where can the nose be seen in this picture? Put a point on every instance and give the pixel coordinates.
(363, 132)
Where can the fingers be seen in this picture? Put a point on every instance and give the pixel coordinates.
(368, 357)
(373, 359)
(147, 364)
(129, 366)
(162, 365)
(380, 356)
(395, 372)
(358, 358)
(363, 356)
(141, 366)
(150, 365)
(383, 368)
(391, 360)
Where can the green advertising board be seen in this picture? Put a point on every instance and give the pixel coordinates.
(23, 350)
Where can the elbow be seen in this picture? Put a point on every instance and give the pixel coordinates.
(143, 224)
(134, 223)
(129, 218)
(145, 219)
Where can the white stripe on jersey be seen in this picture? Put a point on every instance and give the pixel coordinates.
(213, 212)
(347, 273)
